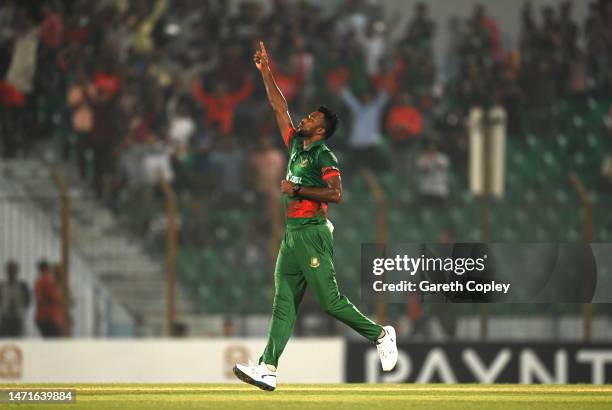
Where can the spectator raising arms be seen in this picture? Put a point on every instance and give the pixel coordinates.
(365, 135)
(221, 105)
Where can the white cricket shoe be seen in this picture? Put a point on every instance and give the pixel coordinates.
(256, 374)
(387, 349)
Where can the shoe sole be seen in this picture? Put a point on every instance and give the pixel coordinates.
(247, 379)
(395, 340)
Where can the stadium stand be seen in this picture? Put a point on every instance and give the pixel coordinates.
(140, 78)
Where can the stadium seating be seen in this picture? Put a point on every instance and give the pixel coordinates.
(539, 205)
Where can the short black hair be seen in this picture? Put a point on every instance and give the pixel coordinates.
(12, 266)
(43, 265)
(331, 121)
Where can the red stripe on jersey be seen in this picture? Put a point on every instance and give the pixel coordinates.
(329, 172)
(305, 208)
(287, 137)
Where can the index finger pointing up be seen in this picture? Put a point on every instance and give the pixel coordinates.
(262, 47)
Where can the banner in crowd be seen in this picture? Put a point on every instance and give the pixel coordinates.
(547, 363)
(163, 361)
(304, 361)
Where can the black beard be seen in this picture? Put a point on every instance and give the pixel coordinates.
(301, 134)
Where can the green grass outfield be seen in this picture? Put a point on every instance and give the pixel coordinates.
(332, 396)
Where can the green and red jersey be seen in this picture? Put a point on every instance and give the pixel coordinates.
(311, 167)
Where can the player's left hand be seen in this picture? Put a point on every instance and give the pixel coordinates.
(287, 187)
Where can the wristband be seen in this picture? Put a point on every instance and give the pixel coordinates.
(296, 188)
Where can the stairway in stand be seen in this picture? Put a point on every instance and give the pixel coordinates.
(120, 260)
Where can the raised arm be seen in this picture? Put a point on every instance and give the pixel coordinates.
(245, 92)
(201, 96)
(275, 96)
(349, 99)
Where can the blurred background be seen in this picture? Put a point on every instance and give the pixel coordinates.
(141, 161)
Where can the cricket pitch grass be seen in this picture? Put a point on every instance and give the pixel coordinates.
(325, 396)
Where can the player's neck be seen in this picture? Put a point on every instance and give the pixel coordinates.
(311, 140)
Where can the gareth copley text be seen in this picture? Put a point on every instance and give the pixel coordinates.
(427, 286)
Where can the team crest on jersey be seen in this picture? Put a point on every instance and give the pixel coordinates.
(304, 163)
(314, 262)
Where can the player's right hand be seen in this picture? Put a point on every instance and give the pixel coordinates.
(261, 57)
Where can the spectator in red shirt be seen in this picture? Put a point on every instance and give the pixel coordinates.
(404, 125)
(221, 105)
(49, 316)
(290, 82)
(107, 82)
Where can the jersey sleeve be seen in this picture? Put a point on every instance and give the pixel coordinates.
(288, 138)
(328, 164)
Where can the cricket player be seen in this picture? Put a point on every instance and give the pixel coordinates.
(305, 257)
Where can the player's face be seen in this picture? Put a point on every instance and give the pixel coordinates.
(311, 124)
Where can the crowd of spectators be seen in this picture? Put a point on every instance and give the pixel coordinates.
(140, 91)
(15, 296)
